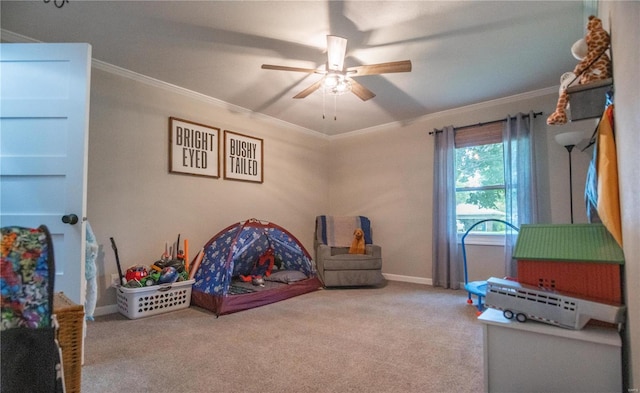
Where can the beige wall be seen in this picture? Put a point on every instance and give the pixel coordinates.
(621, 19)
(386, 174)
(133, 198)
(383, 173)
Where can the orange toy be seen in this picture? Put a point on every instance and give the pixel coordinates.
(357, 245)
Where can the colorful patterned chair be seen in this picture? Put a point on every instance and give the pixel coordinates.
(30, 356)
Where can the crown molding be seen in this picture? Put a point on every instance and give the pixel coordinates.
(9, 36)
(468, 108)
(125, 73)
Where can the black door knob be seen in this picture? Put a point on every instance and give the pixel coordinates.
(70, 219)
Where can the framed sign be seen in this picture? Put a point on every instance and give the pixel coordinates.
(193, 148)
(243, 157)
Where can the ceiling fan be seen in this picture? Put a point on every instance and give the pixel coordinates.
(337, 79)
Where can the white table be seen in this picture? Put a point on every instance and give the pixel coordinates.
(537, 357)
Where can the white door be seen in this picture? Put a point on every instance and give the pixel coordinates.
(44, 120)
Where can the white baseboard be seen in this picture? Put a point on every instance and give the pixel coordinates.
(113, 308)
(106, 310)
(415, 280)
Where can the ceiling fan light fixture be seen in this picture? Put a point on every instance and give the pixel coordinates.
(338, 80)
(331, 81)
(336, 84)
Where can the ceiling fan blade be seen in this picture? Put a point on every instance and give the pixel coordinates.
(382, 68)
(362, 92)
(309, 89)
(285, 68)
(336, 50)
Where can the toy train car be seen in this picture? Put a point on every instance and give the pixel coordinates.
(528, 302)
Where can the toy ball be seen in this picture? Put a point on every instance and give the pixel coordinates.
(169, 274)
(137, 272)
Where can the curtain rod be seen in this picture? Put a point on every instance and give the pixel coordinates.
(437, 131)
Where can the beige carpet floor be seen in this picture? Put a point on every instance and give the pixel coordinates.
(398, 338)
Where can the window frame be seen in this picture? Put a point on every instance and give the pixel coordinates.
(483, 239)
(477, 135)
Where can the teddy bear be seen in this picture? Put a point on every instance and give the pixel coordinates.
(357, 245)
(595, 66)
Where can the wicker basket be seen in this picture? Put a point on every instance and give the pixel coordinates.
(71, 320)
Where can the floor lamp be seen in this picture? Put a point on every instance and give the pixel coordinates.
(569, 140)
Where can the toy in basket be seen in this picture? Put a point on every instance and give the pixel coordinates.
(146, 301)
(141, 296)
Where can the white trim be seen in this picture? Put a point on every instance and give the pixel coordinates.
(483, 239)
(106, 310)
(453, 111)
(101, 65)
(412, 279)
(113, 308)
(123, 72)
(12, 37)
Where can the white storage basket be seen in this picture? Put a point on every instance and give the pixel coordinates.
(143, 302)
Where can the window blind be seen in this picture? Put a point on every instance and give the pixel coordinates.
(479, 134)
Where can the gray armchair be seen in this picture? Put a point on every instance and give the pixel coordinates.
(336, 267)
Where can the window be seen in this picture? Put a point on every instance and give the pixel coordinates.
(480, 189)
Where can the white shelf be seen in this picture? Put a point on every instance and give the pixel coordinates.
(595, 334)
(536, 357)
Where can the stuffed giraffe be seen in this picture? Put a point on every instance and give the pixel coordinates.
(597, 43)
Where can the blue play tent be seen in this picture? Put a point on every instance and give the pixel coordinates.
(235, 251)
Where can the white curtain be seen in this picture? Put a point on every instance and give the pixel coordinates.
(520, 179)
(446, 270)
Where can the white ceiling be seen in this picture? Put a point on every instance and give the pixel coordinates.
(463, 52)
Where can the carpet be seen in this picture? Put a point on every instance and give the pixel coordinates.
(399, 338)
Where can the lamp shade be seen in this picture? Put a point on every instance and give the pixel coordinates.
(579, 49)
(571, 138)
